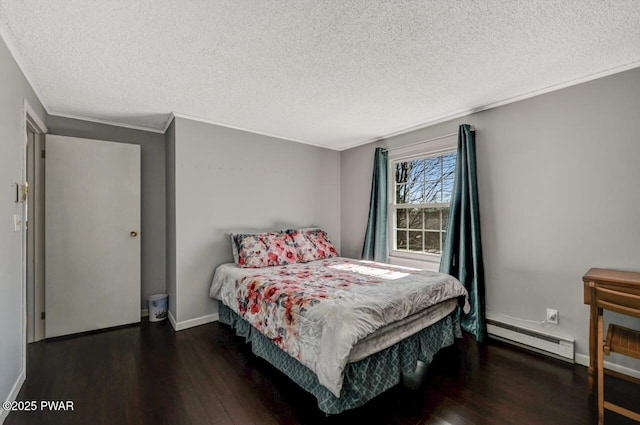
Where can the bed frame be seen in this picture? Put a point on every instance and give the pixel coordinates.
(364, 379)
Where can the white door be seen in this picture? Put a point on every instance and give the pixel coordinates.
(92, 241)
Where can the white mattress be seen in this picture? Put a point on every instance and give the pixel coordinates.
(395, 332)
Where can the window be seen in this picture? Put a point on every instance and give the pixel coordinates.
(422, 187)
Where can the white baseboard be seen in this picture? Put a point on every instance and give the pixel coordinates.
(172, 320)
(583, 359)
(186, 324)
(144, 312)
(12, 395)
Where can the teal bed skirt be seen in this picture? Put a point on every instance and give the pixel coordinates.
(363, 380)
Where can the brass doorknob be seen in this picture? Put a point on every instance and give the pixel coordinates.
(133, 233)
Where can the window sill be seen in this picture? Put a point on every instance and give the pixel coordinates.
(412, 261)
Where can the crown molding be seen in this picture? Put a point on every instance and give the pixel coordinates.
(262, 133)
(36, 119)
(106, 122)
(498, 103)
(168, 123)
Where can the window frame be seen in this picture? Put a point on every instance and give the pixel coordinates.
(435, 147)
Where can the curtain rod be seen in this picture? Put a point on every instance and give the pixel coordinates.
(426, 141)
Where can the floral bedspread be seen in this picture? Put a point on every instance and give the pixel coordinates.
(318, 311)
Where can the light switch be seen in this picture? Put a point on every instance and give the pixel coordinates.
(17, 223)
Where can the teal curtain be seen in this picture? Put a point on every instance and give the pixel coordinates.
(462, 250)
(375, 240)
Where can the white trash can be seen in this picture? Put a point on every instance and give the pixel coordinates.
(158, 307)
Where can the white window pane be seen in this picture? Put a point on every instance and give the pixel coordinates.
(401, 218)
(415, 182)
(433, 167)
(409, 171)
(415, 218)
(448, 164)
(447, 190)
(417, 170)
(401, 193)
(424, 180)
(402, 172)
(432, 219)
(445, 218)
(415, 193)
(401, 239)
(433, 191)
(415, 241)
(432, 242)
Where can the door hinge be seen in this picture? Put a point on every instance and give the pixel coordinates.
(43, 153)
(42, 315)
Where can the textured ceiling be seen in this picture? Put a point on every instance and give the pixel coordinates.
(330, 73)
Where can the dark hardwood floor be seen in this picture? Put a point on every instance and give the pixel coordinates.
(149, 374)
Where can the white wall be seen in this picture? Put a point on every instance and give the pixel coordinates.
(13, 90)
(559, 178)
(152, 202)
(229, 180)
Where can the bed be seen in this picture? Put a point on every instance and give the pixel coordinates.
(345, 330)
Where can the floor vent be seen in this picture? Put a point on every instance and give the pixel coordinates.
(558, 347)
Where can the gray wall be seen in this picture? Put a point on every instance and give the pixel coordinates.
(558, 181)
(356, 167)
(152, 190)
(230, 180)
(14, 88)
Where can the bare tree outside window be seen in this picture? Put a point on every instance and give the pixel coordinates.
(423, 188)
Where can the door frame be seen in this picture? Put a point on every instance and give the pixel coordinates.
(29, 118)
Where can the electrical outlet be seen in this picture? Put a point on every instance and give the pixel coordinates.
(552, 316)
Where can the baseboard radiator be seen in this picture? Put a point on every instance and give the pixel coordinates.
(558, 347)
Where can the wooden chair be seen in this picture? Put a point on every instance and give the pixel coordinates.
(618, 340)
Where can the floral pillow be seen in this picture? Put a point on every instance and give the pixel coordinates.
(312, 244)
(265, 249)
(234, 247)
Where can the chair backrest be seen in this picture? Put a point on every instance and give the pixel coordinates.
(620, 302)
